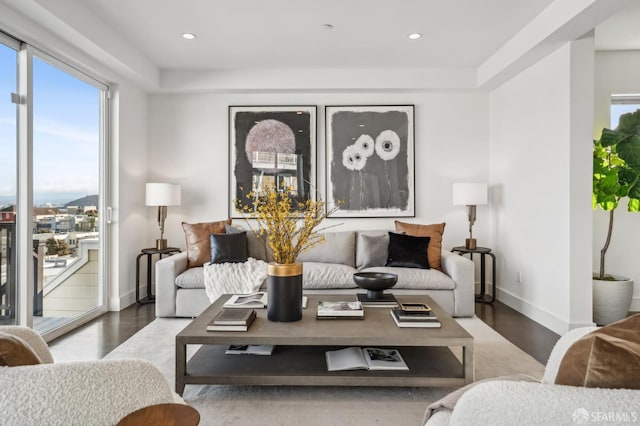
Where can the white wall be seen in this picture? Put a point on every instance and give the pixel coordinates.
(532, 177)
(188, 145)
(617, 72)
(129, 153)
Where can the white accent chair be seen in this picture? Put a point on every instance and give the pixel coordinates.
(503, 402)
(73, 393)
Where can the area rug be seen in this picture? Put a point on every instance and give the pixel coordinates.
(288, 405)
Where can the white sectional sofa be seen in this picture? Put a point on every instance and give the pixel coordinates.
(328, 268)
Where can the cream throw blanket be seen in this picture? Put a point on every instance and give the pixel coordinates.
(234, 278)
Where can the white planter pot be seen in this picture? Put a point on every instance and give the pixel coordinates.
(611, 299)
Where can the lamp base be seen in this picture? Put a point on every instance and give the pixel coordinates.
(470, 244)
(161, 244)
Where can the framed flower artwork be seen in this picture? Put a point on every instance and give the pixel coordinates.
(271, 145)
(370, 160)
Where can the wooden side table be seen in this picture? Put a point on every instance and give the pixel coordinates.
(163, 414)
(149, 253)
(482, 251)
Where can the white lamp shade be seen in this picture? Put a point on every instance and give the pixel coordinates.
(469, 193)
(162, 194)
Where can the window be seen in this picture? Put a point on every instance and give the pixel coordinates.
(622, 104)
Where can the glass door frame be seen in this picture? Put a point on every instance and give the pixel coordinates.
(13, 299)
(24, 202)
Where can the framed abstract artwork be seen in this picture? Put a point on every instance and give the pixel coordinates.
(271, 145)
(370, 160)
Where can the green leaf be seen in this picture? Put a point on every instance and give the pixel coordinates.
(629, 123)
(609, 184)
(627, 176)
(634, 205)
(634, 191)
(610, 204)
(608, 137)
(629, 151)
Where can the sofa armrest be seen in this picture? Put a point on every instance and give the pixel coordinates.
(167, 269)
(34, 340)
(461, 270)
(87, 392)
(524, 403)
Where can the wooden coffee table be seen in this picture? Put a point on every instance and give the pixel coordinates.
(299, 355)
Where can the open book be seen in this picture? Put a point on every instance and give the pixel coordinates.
(254, 300)
(249, 350)
(354, 358)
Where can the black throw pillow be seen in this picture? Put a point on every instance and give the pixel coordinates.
(228, 248)
(407, 251)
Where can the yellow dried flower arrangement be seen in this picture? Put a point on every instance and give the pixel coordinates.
(288, 231)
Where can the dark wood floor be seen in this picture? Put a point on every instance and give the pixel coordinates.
(100, 336)
(528, 335)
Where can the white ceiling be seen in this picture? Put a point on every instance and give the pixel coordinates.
(621, 31)
(243, 44)
(289, 33)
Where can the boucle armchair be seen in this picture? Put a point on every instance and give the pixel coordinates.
(510, 402)
(76, 393)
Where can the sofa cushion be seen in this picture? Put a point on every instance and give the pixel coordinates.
(434, 231)
(197, 237)
(418, 279)
(372, 249)
(191, 278)
(15, 351)
(228, 248)
(608, 357)
(338, 247)
(316, 275)
(407, 251)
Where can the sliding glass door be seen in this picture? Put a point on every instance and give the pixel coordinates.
(67, 236)
(52, 192)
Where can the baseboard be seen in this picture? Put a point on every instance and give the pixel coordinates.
(123, 301)
(635, 304)
(541, 316)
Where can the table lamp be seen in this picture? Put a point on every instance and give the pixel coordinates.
(470, 194)
(162, 195)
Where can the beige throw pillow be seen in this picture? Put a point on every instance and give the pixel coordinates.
(198, 244)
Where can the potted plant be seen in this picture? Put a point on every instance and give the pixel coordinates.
(288, 225)
(616, 175)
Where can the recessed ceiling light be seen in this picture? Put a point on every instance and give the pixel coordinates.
(326, 26)
(414, 36)
(188, 36)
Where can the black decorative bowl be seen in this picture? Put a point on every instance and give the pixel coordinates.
(375, 282)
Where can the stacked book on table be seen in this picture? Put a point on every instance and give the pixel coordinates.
(236, 319)
(340, 310)
(414, 315)
(387, 300)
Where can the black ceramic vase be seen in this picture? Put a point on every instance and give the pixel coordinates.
(284, 289)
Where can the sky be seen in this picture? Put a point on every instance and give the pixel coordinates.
(65, 138)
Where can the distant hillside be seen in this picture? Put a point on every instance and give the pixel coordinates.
(89, 200)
